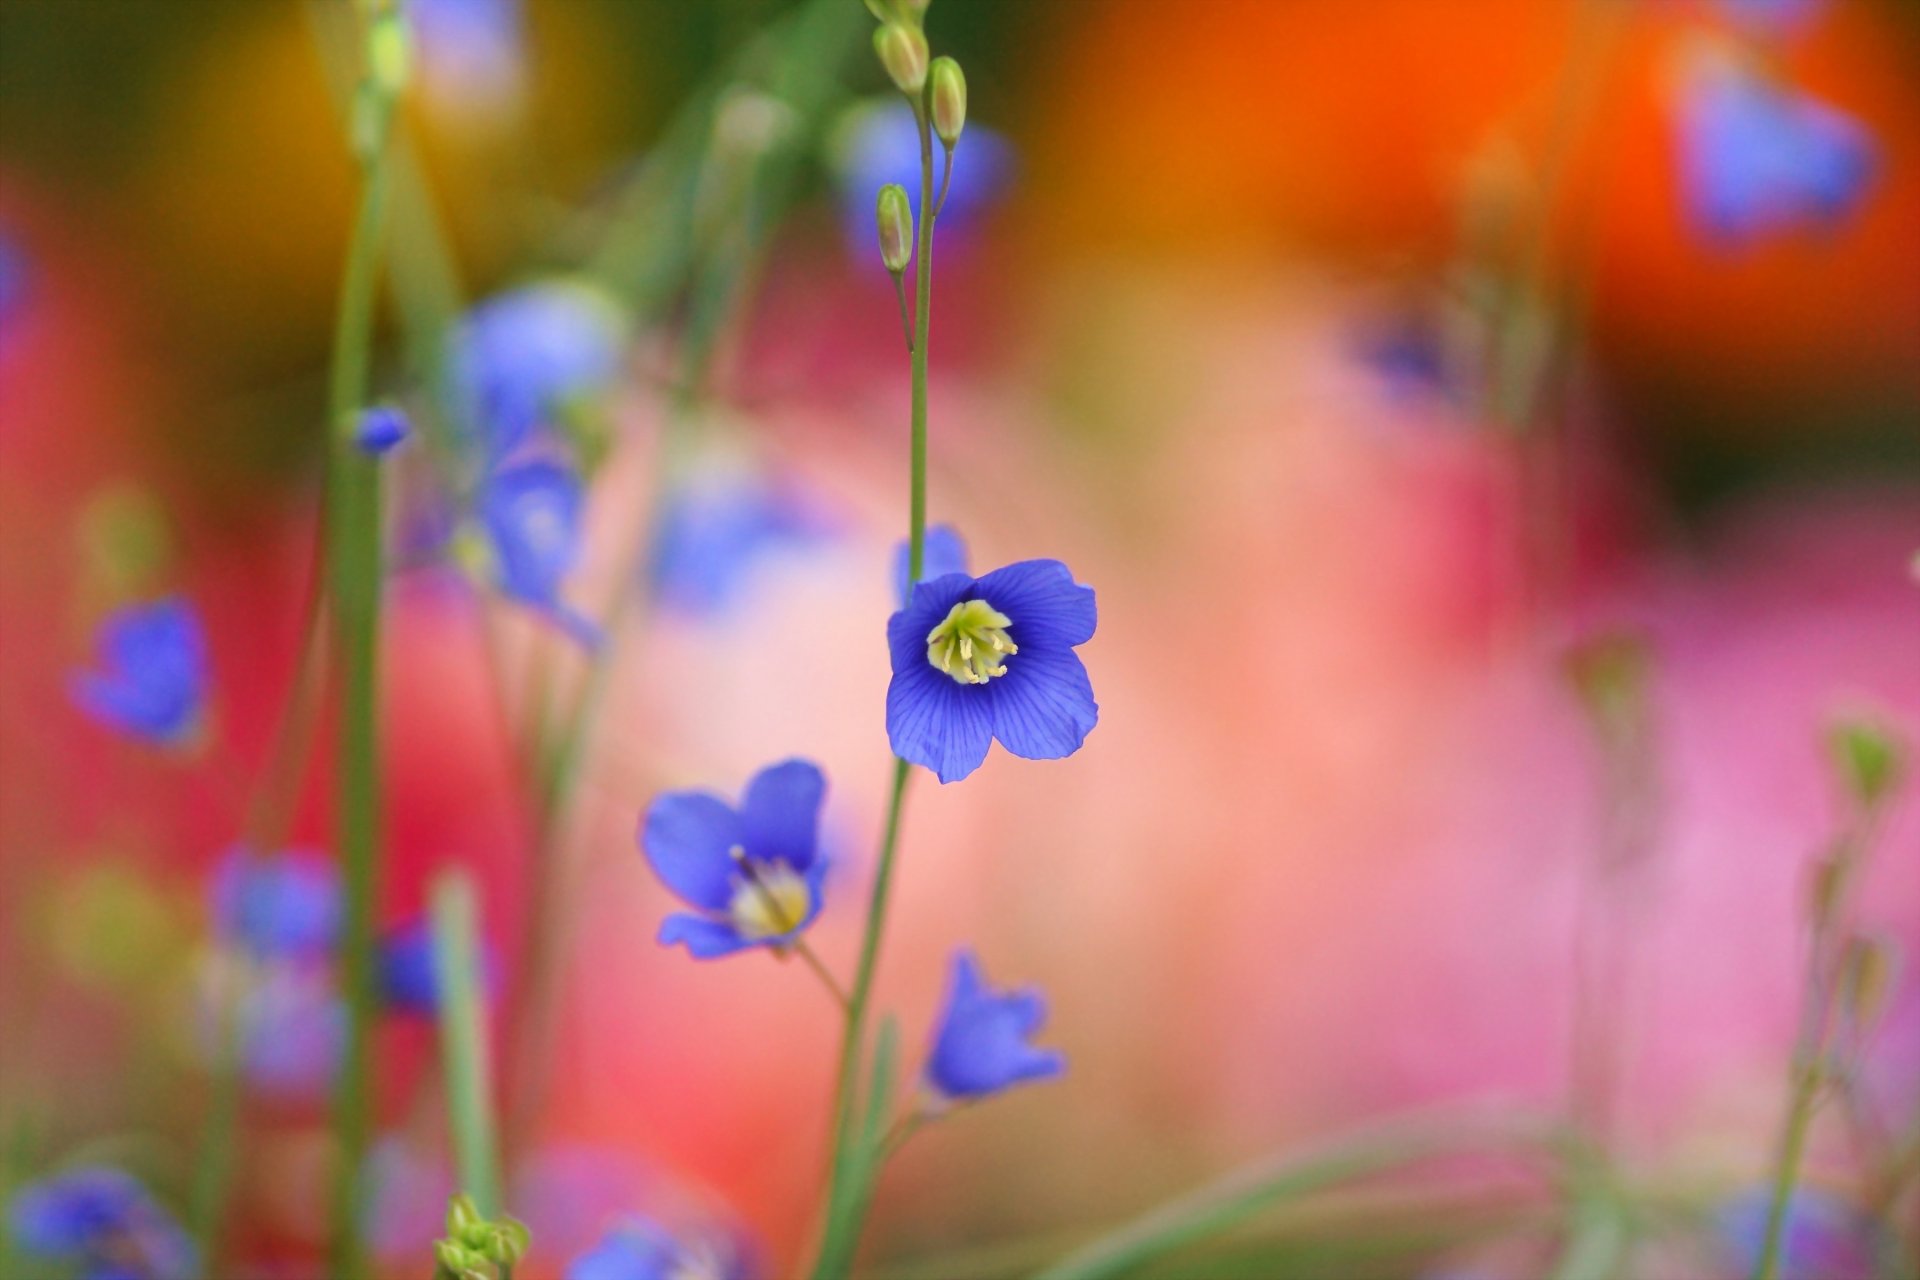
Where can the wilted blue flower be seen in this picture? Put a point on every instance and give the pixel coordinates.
(638, 1249)
(293, 1027)
(943, 553)
(1825, 1238)
(102, 1222)
(980, 1045)
(976, 659)
(532, 512)
(278, 906)
(380, 429)
(712, 535)
(754, 873)
(408, 980)
(1758, 157)
(880, 143)
(152, 679)
(523, 358)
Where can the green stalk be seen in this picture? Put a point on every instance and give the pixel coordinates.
(353, 574)
(463, 1047)
(1793, 1146)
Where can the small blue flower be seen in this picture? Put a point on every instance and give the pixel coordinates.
(293, 1029)
(879, 144)
(1825, 1238)
(104, 1222)
(712, 535)
(1756, 157)
(380, 429)
(409, 983)
(976, 659)
(638, 1249)
(980, 1047)
(152, 681)
(531, 513)
(524, 358)
(472, 52)
(945, 552)
(278, 906)
(754, 873)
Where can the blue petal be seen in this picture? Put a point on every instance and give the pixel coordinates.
(980, 1046)
(1046, 605)
(780, 813)
(937, 723)
(704, 938)
(531, 513)
(153, 671)
(945, 552)
(1043, 708)
(689, 837)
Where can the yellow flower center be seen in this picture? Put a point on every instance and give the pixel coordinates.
(769, 898)
(971, 644)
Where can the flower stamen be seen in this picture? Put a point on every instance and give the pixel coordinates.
(770, 900)
(971, 643)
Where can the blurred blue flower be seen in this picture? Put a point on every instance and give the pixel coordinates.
(293, 1029)
(754, 873)
(1757, 157)
(102, 1222)
(638, 1249)
(531, 513)
(1825, 1238)
(880, 143)
(523, 358)
(283, 906)
(152, 680)
(15, 275)
(404, 968)
(1773, 14)
(713, 534)
(472, 52)
(980, 1046)
(945, 552)
(380, 429)
(976, 659)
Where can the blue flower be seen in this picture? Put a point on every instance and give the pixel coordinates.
(879, 144)
(408, 980)
(976, 659)
(1825, 1238)
(945, 552)
(1778, 15)
(1757, 157)
(638, 1249)
(523, 359)
(754, 873)
(278, 906)
(712, 535)
(980, 1047)
(472, 52)
(531, 513)
(293, 1028)
(152, 681)
(380, 429)
(104, 1222)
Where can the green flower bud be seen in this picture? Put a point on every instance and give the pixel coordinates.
(462, 1216)
(895, 216)
(454, 1261)
(511, 1241)
(903, 52)
(949, 99)
(1868, 758)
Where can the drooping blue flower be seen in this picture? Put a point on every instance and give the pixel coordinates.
(281, 906)
(531, 513)
(880, 143)
(945, 552)
(152, 678)
(1757, 157)
(1825, 1238)
(976, 659)
(640, 1249)
(980, 1044)
(409, 983)
(713, 534)
(102, 1222)
(524, 358)
(753, 873)
(380, 429)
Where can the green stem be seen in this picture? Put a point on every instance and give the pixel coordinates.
(1793, 1146)
(463, 1047)
(354, 572)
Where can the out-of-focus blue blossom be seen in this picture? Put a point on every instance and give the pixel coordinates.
(1758, 157)
(152, 677)
(531, 513)
(1825, 1238)
(103, 1223)
(472, 53)
(638, 1249)
(976, 659)
(879, 143)
(716, 531)
(380, 429)
(15, 277)
(283, 906)
(522, 359)
(980, 1043)
(944, 552)
(753, 873)
(292, 1030)
(408, 980)
(1781, 15)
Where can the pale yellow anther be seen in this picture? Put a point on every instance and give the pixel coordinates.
(970, 643)
(769, 898)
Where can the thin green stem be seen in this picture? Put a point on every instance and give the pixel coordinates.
(463, 1047)
(1793, 1146)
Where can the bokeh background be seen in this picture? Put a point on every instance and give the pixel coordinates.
(1365, 358)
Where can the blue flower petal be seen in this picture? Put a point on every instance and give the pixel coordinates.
(1043, 708)
(153, 672)
(936, 723)
(689, 838)
(704, 937)
(282, 906)
(980, 1046)
(945, 552)
(1046, 605)
(780, 813)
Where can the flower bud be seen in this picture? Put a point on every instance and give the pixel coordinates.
(949, 99)
(895, 217)
(1868, 758)
(903, 52)
(1866, 979)
(462, 1215)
